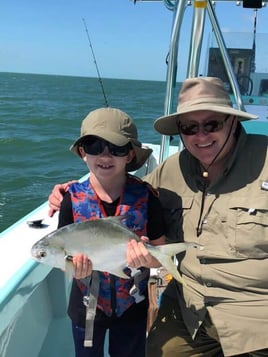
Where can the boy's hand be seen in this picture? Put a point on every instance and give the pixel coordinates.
(138, 255)
(82, 266)
(56, 196)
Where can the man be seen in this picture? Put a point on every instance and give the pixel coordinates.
(215, 192)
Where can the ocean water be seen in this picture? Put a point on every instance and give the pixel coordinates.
(40, 117)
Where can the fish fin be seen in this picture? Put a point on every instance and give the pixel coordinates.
(134, 271)
(120, 273)
(116, 219)
(69, 269)
(176, 248)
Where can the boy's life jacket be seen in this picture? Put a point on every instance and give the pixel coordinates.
(114, 292)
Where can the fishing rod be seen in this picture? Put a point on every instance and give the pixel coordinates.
(253, 59)
(96, 65)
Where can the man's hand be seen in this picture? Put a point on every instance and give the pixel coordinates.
(56, 196)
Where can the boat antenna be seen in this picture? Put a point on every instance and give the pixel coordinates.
(96, 65)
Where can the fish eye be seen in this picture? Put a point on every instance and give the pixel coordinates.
(42, 254)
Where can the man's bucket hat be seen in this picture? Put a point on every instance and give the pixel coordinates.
(202, 93)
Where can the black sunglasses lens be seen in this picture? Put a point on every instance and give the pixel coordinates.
(97, 146)
(190, 129)
(93, 147)
(119, 150)
(213, 126)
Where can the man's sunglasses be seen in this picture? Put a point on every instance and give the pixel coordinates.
(96, 146)
(210, 126)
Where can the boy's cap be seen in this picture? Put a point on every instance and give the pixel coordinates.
(116, 127)
(202, 93)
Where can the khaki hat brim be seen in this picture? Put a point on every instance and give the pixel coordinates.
(141, 156)
(167, 125)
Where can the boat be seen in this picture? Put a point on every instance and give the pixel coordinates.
(34, 297)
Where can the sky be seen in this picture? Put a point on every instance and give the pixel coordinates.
(129, 41)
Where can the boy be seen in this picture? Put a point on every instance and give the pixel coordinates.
(109, 146)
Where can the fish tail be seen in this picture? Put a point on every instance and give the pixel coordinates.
(169, 265)
(167, 251)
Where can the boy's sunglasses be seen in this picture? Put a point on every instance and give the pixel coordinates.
(210, 126)
(96, 146)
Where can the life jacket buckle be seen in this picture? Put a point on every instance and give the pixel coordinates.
(86, 300)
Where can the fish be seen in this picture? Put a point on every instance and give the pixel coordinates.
(104, 241)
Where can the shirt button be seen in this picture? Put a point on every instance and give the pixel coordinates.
(203, 261)
(208, 284)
